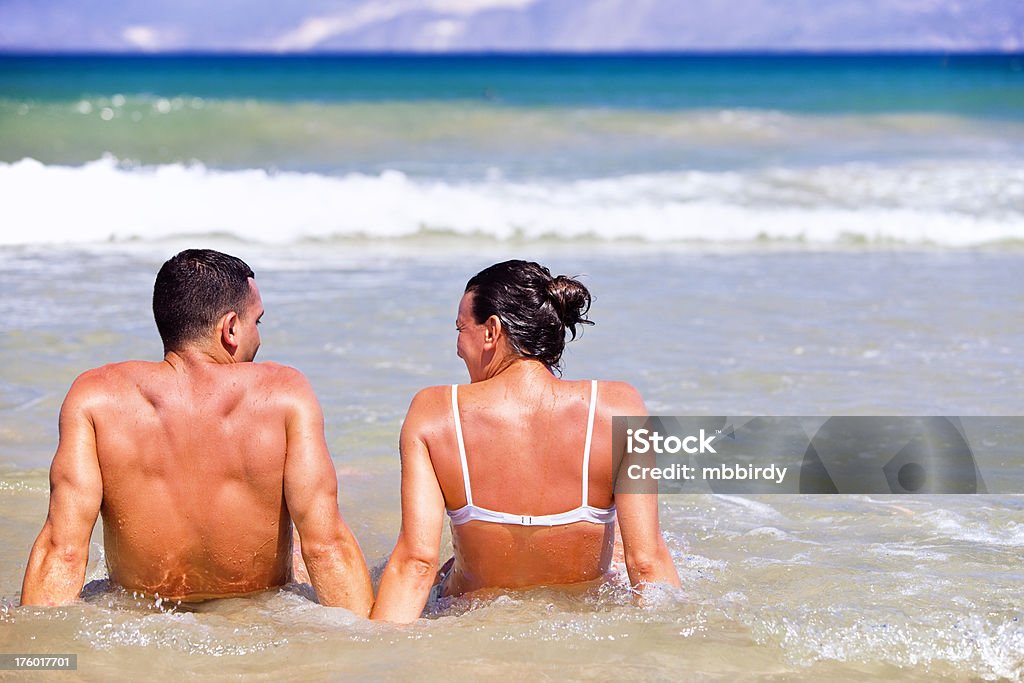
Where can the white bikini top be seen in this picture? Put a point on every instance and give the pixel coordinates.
(583, 513)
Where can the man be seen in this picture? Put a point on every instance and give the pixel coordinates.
(199, 464)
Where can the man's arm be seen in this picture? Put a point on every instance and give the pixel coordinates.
(647, 557)
(412, 567)
(56, 565)
(335, 563)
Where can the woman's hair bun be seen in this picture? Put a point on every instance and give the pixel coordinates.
(571, 300)
(534, 308)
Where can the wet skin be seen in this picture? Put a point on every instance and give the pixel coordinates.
(524, 432)
(199, 465)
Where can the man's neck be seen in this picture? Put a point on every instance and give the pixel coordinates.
(192, 356)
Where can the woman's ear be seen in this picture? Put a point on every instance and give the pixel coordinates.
(492, 330)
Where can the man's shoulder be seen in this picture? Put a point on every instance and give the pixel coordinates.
(281, 377)
(134, 372)
(107, 383)
(282, 384)
(112, 375)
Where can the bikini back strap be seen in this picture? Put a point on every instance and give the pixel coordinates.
(462, 445)
(586, 447)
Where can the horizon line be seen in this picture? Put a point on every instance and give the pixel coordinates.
(690, 52)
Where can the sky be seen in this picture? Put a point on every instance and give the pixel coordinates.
(510, 25)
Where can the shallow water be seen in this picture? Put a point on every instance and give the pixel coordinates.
(843, 587)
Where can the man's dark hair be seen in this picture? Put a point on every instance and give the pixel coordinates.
(534, 308)
(193, 290)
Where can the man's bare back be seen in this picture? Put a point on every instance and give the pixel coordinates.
(198, 465)
(193, 495)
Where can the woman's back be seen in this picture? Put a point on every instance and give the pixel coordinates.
(525, 435)
(519, 459)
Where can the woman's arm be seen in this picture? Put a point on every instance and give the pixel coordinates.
(412, 567)
(647, 557)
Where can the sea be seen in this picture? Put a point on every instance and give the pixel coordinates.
(763, 234)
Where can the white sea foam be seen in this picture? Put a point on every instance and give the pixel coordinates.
(977, 531)
(945, 204)
(752, 508)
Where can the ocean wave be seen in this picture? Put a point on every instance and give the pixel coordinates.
(447, 137)
(945, 204)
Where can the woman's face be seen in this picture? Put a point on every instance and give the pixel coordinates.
(470, 344)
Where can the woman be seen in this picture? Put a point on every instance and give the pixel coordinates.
(520, 459)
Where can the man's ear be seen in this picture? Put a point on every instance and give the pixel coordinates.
(229, 331)
(492, 331)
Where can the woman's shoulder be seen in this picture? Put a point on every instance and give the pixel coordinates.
(619, 398)
(429, 411)
(432, 399)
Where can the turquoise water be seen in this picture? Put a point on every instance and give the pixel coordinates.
(527, 116)
(976, 85)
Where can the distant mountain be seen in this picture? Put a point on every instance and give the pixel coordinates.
(512, 25)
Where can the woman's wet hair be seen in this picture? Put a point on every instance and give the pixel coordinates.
(193, 290)
(535, 309)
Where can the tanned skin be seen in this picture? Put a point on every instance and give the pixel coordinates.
(200, 465)
(524, 432)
